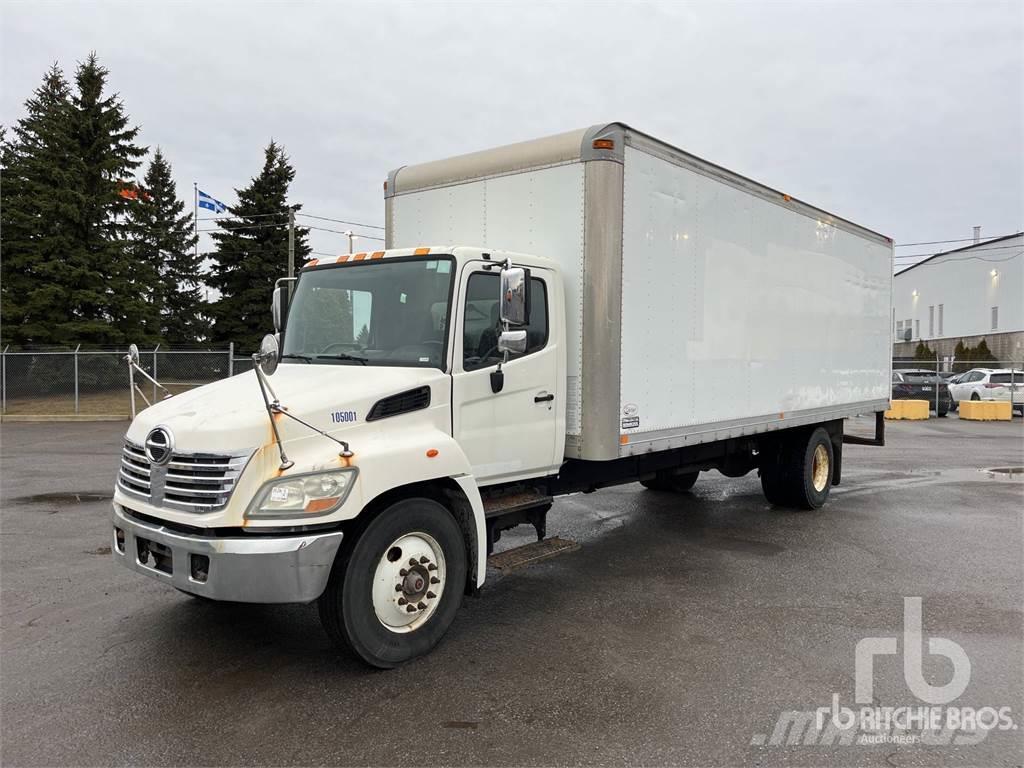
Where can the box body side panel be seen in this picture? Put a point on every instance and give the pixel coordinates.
(539, 212)
(736, 308)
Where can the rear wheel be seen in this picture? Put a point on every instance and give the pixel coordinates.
(800, 474)
(672, 483)
(395, 589)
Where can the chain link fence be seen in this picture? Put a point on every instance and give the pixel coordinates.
(962, 379)
(94, 382)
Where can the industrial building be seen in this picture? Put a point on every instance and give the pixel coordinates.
(963, 295)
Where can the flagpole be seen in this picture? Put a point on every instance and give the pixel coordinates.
(195, 215)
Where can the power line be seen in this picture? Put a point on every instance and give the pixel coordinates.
(251, 226)
(340, 232)
(246, 216)
(973, 250)
(961, 240)
(962, 258)
(340, 221)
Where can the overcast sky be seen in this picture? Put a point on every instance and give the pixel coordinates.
(905, 117)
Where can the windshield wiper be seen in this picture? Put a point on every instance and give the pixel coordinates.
(343, 356)
(307, 358)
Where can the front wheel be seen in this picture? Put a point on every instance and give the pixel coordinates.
(395, 589)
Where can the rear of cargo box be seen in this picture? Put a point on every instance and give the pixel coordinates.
(702, 305)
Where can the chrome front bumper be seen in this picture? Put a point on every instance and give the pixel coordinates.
(286, 569)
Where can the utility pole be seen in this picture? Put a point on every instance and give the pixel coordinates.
(291, 241)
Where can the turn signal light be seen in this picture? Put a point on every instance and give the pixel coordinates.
(604, 144)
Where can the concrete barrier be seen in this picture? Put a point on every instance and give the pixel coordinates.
(986, 410)
(907, 409)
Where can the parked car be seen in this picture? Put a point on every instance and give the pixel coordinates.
(990, 384)
(917, 384)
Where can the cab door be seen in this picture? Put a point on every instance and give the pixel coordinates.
(510, 434)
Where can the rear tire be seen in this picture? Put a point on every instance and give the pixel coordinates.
(364, 606)
(671, 483)
(801, 474)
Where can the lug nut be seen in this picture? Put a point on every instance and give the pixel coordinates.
(424, 560)
(431, 595)
(412, 561)
(431, 567)
(402, 572)
(434, 580)
(411, 609)
(421, 605)
(402, 601)
(398, 587)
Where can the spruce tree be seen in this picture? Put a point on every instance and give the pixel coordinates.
(105, 281)
(38, 218)
(252, 253)
(167, 267)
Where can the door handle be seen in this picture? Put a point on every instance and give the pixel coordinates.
(544, 398)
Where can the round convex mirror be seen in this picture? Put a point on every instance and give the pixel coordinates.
(269, 354)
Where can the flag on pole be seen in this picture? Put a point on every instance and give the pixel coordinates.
(210, 203)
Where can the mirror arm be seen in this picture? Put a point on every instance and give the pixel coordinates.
(272, 408)
(345, 452)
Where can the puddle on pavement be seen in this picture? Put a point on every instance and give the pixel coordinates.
(70, 497)
(1005, 473)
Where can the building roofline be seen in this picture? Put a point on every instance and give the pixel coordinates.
(958, 250)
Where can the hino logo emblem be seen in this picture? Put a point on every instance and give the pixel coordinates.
(159, 445)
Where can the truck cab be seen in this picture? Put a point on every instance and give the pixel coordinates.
(399, 355)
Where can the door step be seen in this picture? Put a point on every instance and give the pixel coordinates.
(514, 502)
(528, 554)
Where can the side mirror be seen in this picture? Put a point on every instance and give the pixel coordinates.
(279, 307)
(515, 296)
(512, 341)
(269, 355)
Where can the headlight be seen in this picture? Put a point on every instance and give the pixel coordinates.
(317, 493)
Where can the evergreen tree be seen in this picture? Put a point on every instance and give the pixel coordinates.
(39, 218)
(106, 283)
(167, 267)
(252, 252)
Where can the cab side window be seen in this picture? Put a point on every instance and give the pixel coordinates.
(482, 323)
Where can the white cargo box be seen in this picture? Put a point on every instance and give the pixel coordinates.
(701, 305)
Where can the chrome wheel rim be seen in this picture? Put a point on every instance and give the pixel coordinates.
(408, 582)
(820, 468)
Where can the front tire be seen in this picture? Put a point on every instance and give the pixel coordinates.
(395, 589)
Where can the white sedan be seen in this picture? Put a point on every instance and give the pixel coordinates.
(990, 384)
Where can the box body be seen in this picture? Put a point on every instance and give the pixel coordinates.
(700, 305)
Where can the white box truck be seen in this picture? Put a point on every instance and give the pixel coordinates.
(583, 310)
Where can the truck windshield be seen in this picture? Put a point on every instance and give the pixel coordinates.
(381, 312)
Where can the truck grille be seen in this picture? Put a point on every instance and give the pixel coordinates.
(191, 482)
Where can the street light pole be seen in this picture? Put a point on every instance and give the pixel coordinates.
(291, 241)
(351, 237)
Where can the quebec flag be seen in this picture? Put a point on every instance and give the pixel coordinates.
(210, 203)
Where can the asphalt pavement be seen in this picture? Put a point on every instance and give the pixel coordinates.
(679, 633)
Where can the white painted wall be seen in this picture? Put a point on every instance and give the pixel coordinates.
(964, 285)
